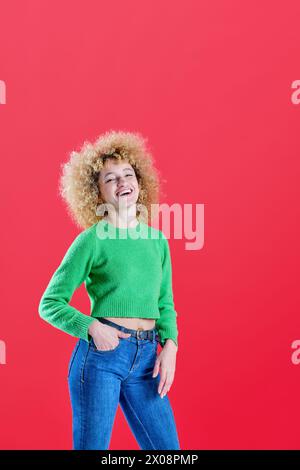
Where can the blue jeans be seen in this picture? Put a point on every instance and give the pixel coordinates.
(99, 380)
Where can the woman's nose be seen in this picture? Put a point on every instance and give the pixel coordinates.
(120, 179)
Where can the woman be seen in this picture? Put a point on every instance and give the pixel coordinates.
(110, 188)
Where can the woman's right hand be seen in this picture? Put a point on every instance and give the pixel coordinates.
(105, 337)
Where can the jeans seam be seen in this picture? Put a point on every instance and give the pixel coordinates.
(81, 415)
(82, 407)
(84, 362)
(74, 355)
(130, 406)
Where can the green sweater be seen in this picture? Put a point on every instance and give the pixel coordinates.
(127, 273)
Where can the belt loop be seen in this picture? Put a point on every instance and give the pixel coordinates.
(137, 334)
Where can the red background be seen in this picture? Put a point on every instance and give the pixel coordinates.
(209, 83)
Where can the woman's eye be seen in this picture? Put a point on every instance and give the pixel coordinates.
(114, 179)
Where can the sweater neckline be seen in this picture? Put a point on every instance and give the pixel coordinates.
(124, 229)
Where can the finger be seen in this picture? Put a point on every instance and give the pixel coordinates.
(166, 387)
(122, 334)
(162, 381)
(156, 368)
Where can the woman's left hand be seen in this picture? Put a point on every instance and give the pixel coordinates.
(166, 360)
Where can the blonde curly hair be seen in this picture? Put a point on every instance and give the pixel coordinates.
(78, 184)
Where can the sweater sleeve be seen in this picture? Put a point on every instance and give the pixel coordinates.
(74, 268)
(167, 323)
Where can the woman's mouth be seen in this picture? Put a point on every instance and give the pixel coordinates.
(124, 192)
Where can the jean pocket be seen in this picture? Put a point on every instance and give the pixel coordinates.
(93, 347)
(73, 357)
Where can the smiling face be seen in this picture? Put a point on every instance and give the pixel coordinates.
(118, 184)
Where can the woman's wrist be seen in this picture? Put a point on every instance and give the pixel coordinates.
(170, 343)
(93, 327)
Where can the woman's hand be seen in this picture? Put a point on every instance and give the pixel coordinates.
(166, 360)
(106, 336)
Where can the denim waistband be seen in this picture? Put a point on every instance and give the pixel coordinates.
(139, 333)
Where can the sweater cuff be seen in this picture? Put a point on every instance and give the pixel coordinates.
(168, 334)
(83, 323)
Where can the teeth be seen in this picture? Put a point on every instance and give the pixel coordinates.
(125, 191)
